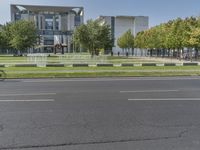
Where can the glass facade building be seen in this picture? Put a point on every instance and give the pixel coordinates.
(54, 24)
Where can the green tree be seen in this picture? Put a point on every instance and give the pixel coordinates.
(194, 41)
(5, 35)
(121, 43)
(93, 36)
(126, 41)
(23, 35)
(139, 40)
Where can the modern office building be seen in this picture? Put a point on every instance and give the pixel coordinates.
(121, 24)
(55, 24)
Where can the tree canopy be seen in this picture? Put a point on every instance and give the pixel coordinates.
(174, 35)
(93, 36)
(18, 35)
(126, 41)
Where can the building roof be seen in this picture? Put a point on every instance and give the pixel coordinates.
(38, 8)
(130, 16)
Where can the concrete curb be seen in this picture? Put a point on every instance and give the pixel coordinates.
(106, 65)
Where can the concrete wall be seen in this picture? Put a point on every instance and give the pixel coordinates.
(123, 24)
(141, 23)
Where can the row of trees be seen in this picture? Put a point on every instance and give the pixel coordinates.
(173, 36)
(19, 35)
(93, 36)
(164, 39)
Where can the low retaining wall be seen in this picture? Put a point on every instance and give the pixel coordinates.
(149, 64)
(104, 65)
(80, 65)
(25, 65)
(190, 64)
(127, 65)
(169, 64)
(55, 65)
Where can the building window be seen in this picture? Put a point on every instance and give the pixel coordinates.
(49, 24)
(77, 20)
(48, 40)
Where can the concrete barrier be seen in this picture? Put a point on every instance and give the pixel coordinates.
(169, 64)
(55, 65)
(149, 64)
(127, 65)
(104, 65)
(190, 64)
(25, 65)
(80, 65)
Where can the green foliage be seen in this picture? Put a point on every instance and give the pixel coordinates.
(194, 40)
(23, 35)
(175, 35)
(5, 36)
(93, 36)
(126, 40)
(18, 35)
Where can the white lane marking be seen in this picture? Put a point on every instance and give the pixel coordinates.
(149, 91)
(122, 79)
(166, 99)
(27, 94)
(28, 100)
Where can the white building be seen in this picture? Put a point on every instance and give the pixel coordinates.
(55, 24)
(121, 24)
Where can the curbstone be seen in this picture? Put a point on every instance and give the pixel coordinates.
(105, 65)
(190, 64)
(55, 65)
(149, 64)
(127, 65)
(25, 65)
(169, 64)
(80, 65)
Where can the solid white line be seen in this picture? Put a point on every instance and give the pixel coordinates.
(28, 100)
(149, 91)
(110, 79)
(166, 99)
(28, 94)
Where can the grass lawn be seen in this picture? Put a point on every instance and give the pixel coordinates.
(62, 72)
(68, 59)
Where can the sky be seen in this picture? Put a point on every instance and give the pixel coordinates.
(159, 11)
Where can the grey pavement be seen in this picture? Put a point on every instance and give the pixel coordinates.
(100, 114)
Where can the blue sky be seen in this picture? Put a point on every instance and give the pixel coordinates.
(159, 11)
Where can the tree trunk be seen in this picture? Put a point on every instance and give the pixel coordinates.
(157, 52)
(55, 50)
(163, 53)
(168, 52)
(196, 54)
(190, 51)
(62, 50)
(151, 52)
(132, 51)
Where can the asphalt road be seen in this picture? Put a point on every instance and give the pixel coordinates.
(100, 114)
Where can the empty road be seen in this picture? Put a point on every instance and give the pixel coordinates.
(100, 114)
